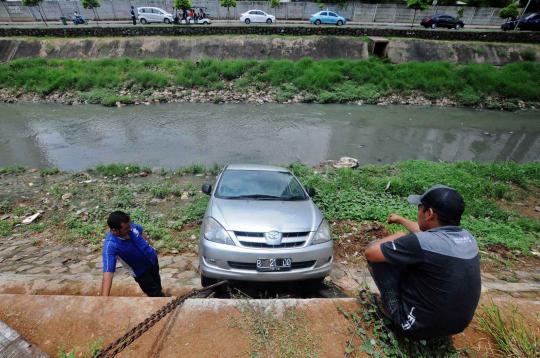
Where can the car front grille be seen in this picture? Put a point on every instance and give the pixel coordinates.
(253, 266)
(288, 239)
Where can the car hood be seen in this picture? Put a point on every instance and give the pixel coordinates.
(266, 215)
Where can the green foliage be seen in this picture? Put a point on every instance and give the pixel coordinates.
(100, 81)
(510, 11)
(369, 328)
(274, 3)
(12, 169)
(460, 12)
(120, 169)
(418, 4)
(191, 212)
(48, 171)
(227, 3)
(182, 4)
(6, 226)
(87, 231)
(31, 2)
(510, 332)
(90, 4)
(192, 169)
(360, 195)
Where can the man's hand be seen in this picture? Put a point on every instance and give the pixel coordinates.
(410, 225)
(106, 283)
(395, 219)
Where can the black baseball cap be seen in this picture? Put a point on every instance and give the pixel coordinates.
(447, 202)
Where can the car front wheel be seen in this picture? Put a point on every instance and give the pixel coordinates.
(143, 21)
(339, 23)
(434, 26)
(167, 21)
(459, 26)
(317, 22)
(269, 21)
(247, 21)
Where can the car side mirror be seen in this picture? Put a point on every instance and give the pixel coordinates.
(207, 189)
(311, 191)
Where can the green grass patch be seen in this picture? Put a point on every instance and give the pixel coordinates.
(372, 192)
(12, 169)
(99, 80)
(120, 169)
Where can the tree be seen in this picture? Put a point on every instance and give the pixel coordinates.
(182, 4)
(417, 5)
(228, 4)
(274, 4)
(91, 4)
(510, 11)
(32, 3)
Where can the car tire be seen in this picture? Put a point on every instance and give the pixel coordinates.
(314, 284)
(339, 23)
(207, 281)
(317, 22)
(458, 26)
(433, 25)
(167, 21)
(143, 21)
(247, 21)
(269, 21)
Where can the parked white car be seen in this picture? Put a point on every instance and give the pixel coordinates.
(147, 15)
(257, 16)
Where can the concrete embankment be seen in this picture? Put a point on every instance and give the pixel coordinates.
(398, 50)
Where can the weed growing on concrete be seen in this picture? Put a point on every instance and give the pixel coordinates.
(509, 331)
(286, 335)
(119, 170)
(48, 171)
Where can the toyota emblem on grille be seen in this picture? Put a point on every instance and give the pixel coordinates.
(273, 237)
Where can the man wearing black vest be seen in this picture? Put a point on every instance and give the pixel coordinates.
(429, 279)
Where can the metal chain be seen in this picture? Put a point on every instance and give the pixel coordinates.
(130, 336)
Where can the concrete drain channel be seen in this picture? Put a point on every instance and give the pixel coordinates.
(56, 312)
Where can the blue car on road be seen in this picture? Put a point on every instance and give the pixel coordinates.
(327, 17)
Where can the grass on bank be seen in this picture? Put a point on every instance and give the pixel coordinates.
(99, 81)
(368, 193)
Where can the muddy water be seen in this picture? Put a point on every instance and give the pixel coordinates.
(173, 135)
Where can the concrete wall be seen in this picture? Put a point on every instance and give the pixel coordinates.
(355, 11)
(262, 47)
(86, 31)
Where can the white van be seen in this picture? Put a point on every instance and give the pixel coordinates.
(147, 15)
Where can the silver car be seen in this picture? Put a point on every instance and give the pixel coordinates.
(261, 225)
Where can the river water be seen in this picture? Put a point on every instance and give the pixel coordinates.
(173, 135)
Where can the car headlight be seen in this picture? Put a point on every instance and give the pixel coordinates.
(322, 234)
(213, 231)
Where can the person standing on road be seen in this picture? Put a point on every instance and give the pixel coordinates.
(126, 241)
(133, 17)
(429, 279)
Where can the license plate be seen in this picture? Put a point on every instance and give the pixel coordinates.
(274, 264)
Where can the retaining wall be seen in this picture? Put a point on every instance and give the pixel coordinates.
(263, 47)
(94, 31)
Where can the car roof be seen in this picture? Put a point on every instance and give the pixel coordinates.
(256, 167)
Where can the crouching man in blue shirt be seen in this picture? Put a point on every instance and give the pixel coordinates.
(126, 242)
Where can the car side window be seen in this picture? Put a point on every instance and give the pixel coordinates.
(332, 14)
(324, 13)
(142, 10)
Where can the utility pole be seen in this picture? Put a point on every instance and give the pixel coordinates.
(523, 13)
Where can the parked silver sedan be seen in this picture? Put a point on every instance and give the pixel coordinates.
(261, 225)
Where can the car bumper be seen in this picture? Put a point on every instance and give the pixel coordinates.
(220, 261)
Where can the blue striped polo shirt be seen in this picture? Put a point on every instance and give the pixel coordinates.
(136, 254)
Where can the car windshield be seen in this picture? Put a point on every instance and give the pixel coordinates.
(259, 185)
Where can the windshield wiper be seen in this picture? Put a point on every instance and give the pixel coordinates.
(292, 198)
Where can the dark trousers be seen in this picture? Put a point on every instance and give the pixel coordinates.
(387, 278)
(134, 19)
(150, 282)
